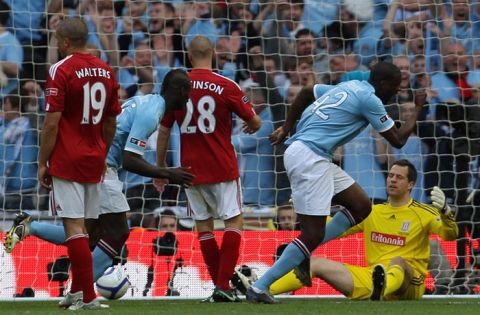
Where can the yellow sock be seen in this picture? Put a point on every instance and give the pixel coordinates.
(395, 277)
(287, 283)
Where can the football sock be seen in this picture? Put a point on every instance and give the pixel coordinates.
(81, 261)
(340, 223)
(292, 256)
(210, 252)
(48, 232)
(287, 283)
(103, 254)
(228, 257)
(395, 277)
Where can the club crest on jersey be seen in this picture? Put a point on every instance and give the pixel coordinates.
(51, 92)
(384, 118)
(405, 226)
(138, 142)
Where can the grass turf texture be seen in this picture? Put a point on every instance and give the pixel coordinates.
(288, 306)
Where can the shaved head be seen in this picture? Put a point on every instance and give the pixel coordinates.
(200, 48)
(74, 29)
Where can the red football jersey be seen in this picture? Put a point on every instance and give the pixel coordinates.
(84, 89)
(206, 126)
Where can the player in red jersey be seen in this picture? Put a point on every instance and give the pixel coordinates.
(81, 105)
(205, 137)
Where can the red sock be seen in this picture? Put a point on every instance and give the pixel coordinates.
(228, 257)
(210, 252)
(82, 266)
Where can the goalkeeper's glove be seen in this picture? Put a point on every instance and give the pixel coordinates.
(439, 202)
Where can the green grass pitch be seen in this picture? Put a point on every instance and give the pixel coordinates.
(287, 306)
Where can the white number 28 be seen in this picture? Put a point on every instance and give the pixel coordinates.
(206, 121)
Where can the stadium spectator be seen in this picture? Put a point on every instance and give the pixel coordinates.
(166, 221)
(27, 23)
(310, 152)
(216, 189)
(77, 189)
(267, 81)
(136, 75)
(139, 119)
(238, 20)
(160, 15)
(286, 219)
(277, 23)
(397, 260)
(363, 161)
(357, 25)
(255, 154)
(11, 55)
(103, 31)
(18, 164)
(164, 57)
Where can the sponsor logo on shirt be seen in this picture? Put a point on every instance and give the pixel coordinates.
(384, 118)
(138, 142)
(388, 239)
(51, 92)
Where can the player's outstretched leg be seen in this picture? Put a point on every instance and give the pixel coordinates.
(379, 282)
(19, 230)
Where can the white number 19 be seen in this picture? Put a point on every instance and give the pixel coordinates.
(90, 99)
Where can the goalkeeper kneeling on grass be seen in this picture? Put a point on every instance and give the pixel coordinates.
(397, 247)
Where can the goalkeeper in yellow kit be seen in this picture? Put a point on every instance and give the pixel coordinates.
(397, 246)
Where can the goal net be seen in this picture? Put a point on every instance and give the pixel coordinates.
(271, 49)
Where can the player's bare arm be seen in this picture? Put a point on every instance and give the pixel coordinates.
(252, 125)
(162, 145)
(48, 140)
(109, 128)
(397, 137)
(135, 163)
(304, 98)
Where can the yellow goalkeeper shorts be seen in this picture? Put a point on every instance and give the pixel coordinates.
(362, 285)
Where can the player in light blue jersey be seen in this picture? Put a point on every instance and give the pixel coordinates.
(139, 119)
(330, 117)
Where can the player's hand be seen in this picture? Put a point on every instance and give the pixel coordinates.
(247, 129)
(278, 136)
(160, 183)
(439, 202)
(44, 177)
(181, 176)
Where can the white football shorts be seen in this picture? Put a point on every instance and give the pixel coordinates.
(113, 199)
(314, 180)
(74, 200)
(220, 201)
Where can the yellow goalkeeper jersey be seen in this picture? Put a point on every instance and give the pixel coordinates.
(403, 231)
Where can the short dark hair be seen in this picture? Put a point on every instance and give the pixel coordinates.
(168, 213)
(412, 172)
(75, 29)
(170, 79)
(384, 71)
(304, 32)
(4, 13)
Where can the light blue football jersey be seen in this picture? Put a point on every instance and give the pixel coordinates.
(338, 115)
(140, 118)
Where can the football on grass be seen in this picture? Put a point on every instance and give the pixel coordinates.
(113, 284)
